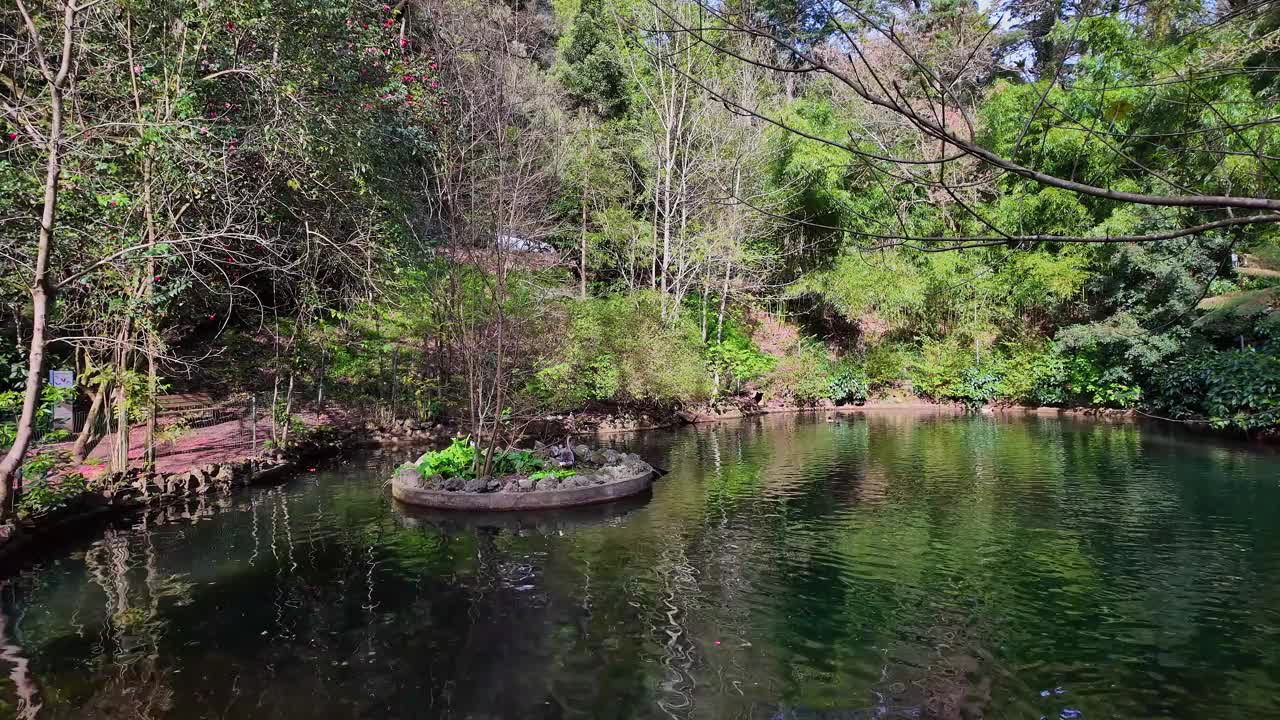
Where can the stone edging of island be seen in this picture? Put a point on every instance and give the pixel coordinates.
(622, 475)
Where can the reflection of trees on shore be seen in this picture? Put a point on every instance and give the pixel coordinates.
(130, 648)
(872, 531)
(27, 700)
(908, 567)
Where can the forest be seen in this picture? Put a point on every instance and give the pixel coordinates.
(501, 209)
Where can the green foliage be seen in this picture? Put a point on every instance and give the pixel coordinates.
(801, 377)
(1034, 375)
(11, 406)
(43, 495)
(975, 387)
(848, 383)
(558, 473)
(736, 359)
(885, 364)
(590, 71)
(1243, 389)
(518, 462)
(948, 370)
(938, 367)
(13, 369)
(1238, 389)
(620, 348)
(457, 460)
(44, 489)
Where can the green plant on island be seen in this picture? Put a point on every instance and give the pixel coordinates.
(459, 460)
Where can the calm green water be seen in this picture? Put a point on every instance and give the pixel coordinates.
(890, 567)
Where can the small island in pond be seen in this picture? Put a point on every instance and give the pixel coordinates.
(542, 478)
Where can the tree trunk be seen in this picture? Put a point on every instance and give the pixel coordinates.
(582, 250)
(42, 290)
(120, 453)
(85, 441)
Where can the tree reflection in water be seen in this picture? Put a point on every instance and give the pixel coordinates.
(865, 568)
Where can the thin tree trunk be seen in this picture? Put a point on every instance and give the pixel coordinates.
(86, 441)
(288, 410)
(582, 251)
(120, 454)
(724, 295)
(148, 282)
(42, 289)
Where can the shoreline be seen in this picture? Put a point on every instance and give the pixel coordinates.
(134, 491)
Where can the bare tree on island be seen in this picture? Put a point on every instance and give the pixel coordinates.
(876, 57)
(490, 193)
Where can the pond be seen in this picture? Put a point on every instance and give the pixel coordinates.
(889, 566)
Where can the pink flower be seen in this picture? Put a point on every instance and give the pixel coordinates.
(13, 136)
(386, 8)
(435, 84)
(403, 42)
(137, 69)
(408, 78)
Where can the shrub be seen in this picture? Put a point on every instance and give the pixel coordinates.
(1034, 375)
(44, 492)
(11, 405)
(1088, 380)
(1231, 389)
(801, 378)
(457, 460)
(620, 348)
(521, 462)
(736, 359)
(885, 364)
(847, 384)
(975, 387)
(938, 367)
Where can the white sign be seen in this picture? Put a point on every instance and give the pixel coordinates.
(62, 378)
